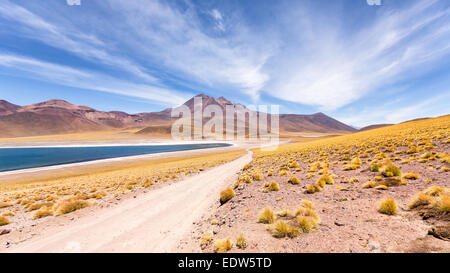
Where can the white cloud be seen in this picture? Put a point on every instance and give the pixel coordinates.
(181, 45)
(297, 57)
(332, 67)
(219, 20)
(67, 37)
(63, 75)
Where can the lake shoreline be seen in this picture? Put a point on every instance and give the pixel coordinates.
(109, 158)
(118, 160)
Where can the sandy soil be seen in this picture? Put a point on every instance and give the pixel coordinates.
(350, 220)
(151, 222)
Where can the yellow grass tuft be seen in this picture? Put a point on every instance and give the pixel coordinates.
(412, 176)
(241, 242)
(223, 245)
(8, 213)
(6, 204)
(389, 169)
(421, 199)
(308, 212)
(273, 186)
(325, 179)
(3, 221)
(294, 180)
(434, 191)
(307, 223)
(226, 195)
(387, 206)
(43, 212)
(308, 204)
(369, 185)
(70, 205)
(382, 187)
(266, 216)
(206, 238)
(311, 189)
(258, 177)
(444, 202)
(280, 230)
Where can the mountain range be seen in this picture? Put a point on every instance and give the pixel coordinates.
(60, 117)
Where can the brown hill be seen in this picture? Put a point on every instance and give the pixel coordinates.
(59, 117)
(7, 108)
(318, 122)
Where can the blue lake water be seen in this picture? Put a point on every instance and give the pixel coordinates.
(23, 158)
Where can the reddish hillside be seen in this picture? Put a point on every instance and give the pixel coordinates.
(59, 117)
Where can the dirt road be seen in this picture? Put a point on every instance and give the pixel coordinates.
(152, 222)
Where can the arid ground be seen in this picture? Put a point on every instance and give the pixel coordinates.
(382, 190)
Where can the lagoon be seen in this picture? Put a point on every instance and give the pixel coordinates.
(12, 159)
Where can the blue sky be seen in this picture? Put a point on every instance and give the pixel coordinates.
(358, 63)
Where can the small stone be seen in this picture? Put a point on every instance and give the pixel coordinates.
(339, 224)
(374, 247)
(4, 231)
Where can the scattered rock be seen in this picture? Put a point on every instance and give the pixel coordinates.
(441, 232)
(4, 231)
(339, 224)
(374, 247)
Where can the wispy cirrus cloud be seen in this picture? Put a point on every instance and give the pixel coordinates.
(63, 75)
(335, 66)
(327, 56)
(66, 36)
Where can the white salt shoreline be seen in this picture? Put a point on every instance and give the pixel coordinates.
(234, 146)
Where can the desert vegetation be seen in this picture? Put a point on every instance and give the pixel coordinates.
(344, 177)
(37, 197)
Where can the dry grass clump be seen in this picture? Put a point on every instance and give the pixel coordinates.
(382, 187)
(266, 216)
(434, 191)
(388, 206)
(433, 197)
(307, 224)
(258, 176)
(273, 186)
(294, 180)
(307, 218)
(369, 185)
(310, 189)
(4, 221)
(8, 213)
(325, 180)
(226, 195)
(43, 212)
(389, 169)
(420, 200)
(70, 205)
(412, 176)
(280, 230)
(6, 204)
(293, 164)
(223, 245)
(285, 213)
(307, 204)
(444, 202)
(206, 238)
(241, 242)
(353, 165)
(374, 168)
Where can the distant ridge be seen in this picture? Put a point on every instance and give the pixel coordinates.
(60, 117)
(374, 126)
